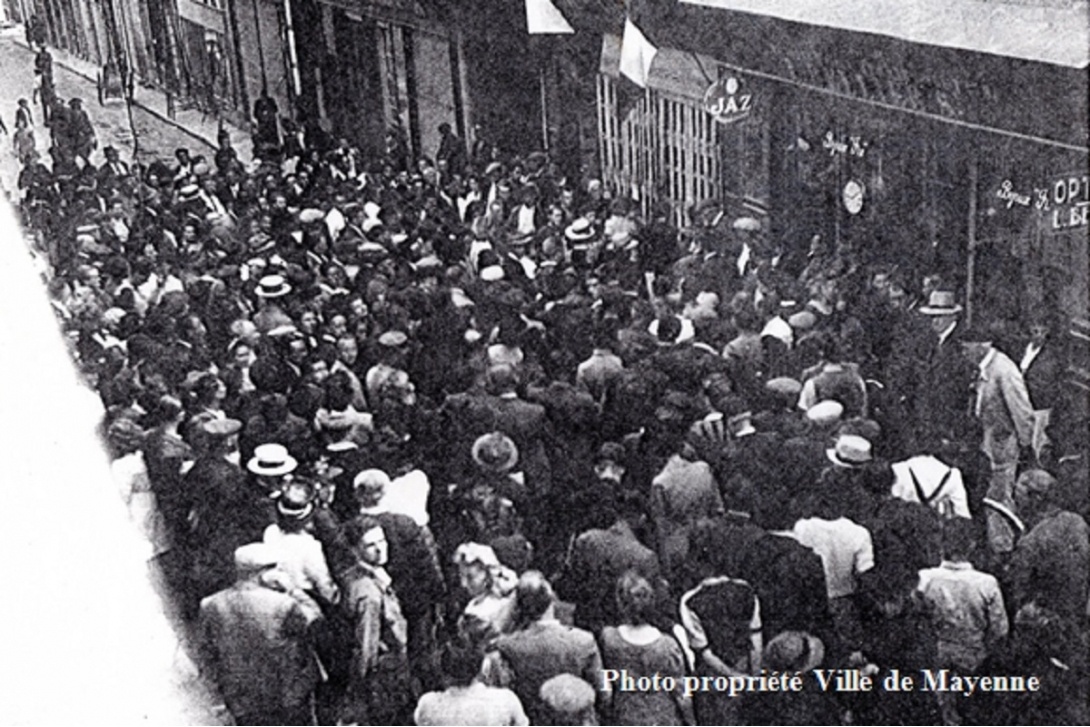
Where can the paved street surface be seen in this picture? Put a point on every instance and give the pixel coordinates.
(158, 138)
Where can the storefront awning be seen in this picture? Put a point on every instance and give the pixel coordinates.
(1048, 31)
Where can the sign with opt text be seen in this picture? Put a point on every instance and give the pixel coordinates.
(1063, 202)
(727, 101)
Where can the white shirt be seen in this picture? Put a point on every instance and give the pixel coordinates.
(300, 557)
(526, 220)
(335, 223)
(778, 328)
(845, 549)
(464, 202)
(929, 471)
(946, 333)
(1032, 349)
(408, 495)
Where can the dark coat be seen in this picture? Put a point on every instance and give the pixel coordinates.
(944, 391)
(598, 559)
(790, 583)
(529, 428)
(1044, 377)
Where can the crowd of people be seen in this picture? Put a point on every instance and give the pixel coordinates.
(447, 439)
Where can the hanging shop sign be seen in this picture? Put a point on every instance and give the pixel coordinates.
(727, 102)
(1063, 202)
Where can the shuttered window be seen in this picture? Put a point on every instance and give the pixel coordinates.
(656, 147)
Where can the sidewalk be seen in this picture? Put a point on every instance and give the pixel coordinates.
(202, 127)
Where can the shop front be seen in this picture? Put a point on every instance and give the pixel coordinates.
(892, 147)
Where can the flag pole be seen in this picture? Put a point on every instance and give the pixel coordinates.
(544, 109)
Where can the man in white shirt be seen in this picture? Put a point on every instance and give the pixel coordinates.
(299, 554)
(846, 553)
(930, 481)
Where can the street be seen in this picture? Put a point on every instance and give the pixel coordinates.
(157, 138)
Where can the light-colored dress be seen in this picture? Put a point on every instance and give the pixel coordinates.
(131, 475)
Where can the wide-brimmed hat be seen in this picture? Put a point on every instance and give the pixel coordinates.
(271, 460)
(272, 286)
(850, 450)
(495, 452)
(686, 333)
(794, 651)
(580, 231)
(941, 303)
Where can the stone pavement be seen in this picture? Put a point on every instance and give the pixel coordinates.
(158, 134)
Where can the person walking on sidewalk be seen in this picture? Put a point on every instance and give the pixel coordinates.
(23, 113)
(45, 90)
(23, 143)
(81, 130)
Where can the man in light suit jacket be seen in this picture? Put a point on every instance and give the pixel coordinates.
(254, 645)
(1006, 419)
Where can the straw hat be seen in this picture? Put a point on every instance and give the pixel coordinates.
(272, 286)
(850, 450)
(271, 460)
(941, 303)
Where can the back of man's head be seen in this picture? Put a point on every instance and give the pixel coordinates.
(958, 539)
(502, 379)
(534, 595)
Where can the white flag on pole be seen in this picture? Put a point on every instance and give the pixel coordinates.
(542, 18)
(637, 53)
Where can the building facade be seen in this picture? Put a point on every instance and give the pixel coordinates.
(966, 155)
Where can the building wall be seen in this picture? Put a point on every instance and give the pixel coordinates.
(261, 46)
(434, 82)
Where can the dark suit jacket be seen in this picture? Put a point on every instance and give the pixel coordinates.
(790, 582)
(529, 428)
(1044, 377)
(944, 393)
(543, 650)
(598, 559)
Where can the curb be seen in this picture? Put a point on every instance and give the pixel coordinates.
(21, 42)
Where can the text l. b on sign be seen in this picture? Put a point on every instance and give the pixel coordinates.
(727, 101)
